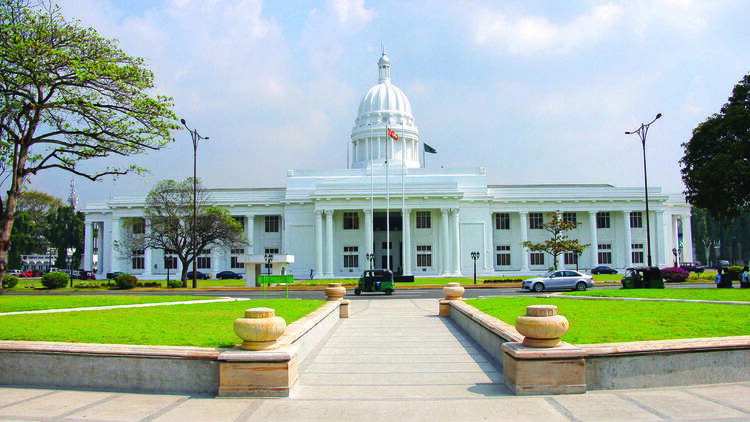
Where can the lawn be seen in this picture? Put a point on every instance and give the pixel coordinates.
(204, 325)
(11, 303)
(608, 321)
(738, 295)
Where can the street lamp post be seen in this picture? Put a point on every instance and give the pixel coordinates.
(269, 259)
(370, 256)
(69, 261)
(641, 132)
(196, 137)
(475, 256)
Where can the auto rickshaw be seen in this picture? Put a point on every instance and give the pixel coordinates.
(375, 281)
(642, 278)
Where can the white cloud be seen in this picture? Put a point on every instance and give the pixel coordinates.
(351, 12)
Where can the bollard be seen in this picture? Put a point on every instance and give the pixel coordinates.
(453, 291)
(542, 326)
(344, 309)
(445, 308)
(259, 329)
(335, 291)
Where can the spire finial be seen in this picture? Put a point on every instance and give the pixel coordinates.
(382, 48)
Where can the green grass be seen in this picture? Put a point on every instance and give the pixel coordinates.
(204, 325)
(38, 302)
(739, 295)
(614, 321)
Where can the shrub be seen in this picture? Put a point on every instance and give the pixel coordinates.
(9, 281)
(126, 281)
(675, 274)
(174, 284)
(55, 280)
(734, 272)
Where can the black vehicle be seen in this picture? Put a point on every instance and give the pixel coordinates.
(86, 275)
(603, 269)
(692, 267)
(231, 275)
(111, 276)
(375, 281)
(198, 275)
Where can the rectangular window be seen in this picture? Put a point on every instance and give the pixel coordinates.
(424, 220)
(569, 217)
(636, 220)
(536, 258)
(637, 253)
(351, 256)
(204, 260)
(502, 255)
(351, 221)
(605, 253)
(170, 262)
(602, 220)
(389, 246)
(424, 255)
(240, 220)
(536, 221)
(139, 259)
(233, 261)
(502, 221)
(139, 226)
(272, 223)
(571, 258)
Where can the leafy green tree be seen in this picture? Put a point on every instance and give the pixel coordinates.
(716, 164)
(68, 95)
(168, 224)
(558, 243)
(66, 230)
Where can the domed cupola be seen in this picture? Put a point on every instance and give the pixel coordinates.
(384, 106)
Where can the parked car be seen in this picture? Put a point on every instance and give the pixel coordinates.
(228, 275)
(722, 264)
(559, 280)
(87, 275)
(15, 273)
(74, 274)
(692, 267)
(32, 273)
(198, 275)
(603, 269)
(112, 275)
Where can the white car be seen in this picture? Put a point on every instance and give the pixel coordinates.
(559, 280)
(16, 273)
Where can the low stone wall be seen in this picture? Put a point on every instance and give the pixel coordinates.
(162, 369)
(606, 366)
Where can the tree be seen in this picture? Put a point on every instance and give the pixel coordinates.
(168, 224)
(68, 96)
(558, 243)
(66, 230)
(716, 164)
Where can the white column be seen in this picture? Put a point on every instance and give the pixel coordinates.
(406, 238)
(489, 245)
(524, 217)
(329, 243)
(660, 239)
(368, 237)
(114, 255)
(88, 246)
(282, 229)
(687, 239)
(105, 252)
(456, 243)
(318, 242)
(250, 232)
(594, 239)
(444, 241)
(147, 264)
(628, 239)
(676, 236)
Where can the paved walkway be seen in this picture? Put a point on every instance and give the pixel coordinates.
(393, 360)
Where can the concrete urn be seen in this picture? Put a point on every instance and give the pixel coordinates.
(453, 291)
(259, 329)
(335, 291)
(542, 326)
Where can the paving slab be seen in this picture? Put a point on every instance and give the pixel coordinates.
(54, 405)
(13, 395)
(209, 409)
(127, 407)
(604, 407)
(680, 405)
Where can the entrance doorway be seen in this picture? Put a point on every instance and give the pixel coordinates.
(381, 247)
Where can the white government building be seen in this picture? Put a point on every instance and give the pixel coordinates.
(332, 220)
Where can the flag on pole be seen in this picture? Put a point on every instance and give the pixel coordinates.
(429, 149)
(392, 133)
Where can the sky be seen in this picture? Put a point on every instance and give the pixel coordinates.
(536, 92)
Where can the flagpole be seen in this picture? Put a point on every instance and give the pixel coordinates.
(387, 205)
(403, 195)
(372, 200)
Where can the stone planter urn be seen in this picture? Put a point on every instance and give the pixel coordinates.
(542, 326)
(453, 291)
(335, 291)
(259, 329)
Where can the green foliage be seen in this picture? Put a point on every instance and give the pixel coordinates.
(175, 284)
(66, 230)
(734, 272)
(9, 281)
(716, 164)
(126, 281)
(39, 302)
(732, 237)
(55, 280)
(558, 243)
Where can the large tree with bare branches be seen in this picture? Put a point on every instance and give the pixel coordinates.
(68, 95)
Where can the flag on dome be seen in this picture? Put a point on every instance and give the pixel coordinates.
(392, 133)
(429, 149)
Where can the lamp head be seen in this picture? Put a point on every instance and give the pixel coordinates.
(657, 116)
(183, 121)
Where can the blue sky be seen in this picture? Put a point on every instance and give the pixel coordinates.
(536, 92)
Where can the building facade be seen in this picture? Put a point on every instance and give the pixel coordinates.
(340, 222)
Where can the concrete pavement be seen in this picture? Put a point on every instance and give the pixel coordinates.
(392, 360)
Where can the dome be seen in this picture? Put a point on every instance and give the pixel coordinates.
(385, 97)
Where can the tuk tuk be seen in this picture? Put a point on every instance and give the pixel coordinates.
(375, 281)
(642, 278)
